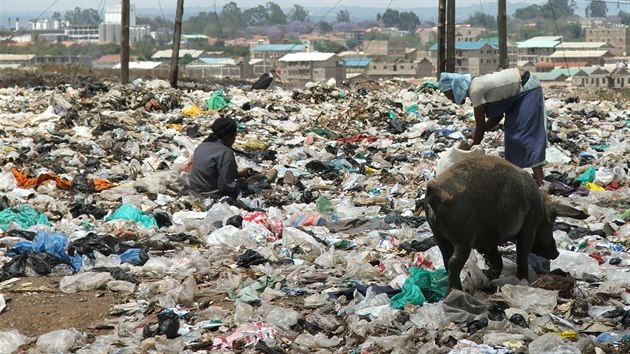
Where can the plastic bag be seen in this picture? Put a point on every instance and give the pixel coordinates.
(168, 324)
(250, 258)
(11, 341)
(60, 341)
(23, 215)
(458, 152)
(217, 101)
(587, 176)
(422, 286)
(129, 212)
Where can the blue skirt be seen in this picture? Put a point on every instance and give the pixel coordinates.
(525, 130)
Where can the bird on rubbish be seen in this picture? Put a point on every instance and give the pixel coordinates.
(263, 82)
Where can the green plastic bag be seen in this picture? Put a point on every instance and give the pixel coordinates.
(23, 215)
(422, 286)
(413, 108)
(324, 205)
(217, 101)
(129, 212)
(391, 114)
(431, 84)
(587, 176)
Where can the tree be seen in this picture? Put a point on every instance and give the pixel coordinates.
(391, 18)
(325, 27)
(82, 17)
(625, 17)
(596, 8)
(186, 59)
(56, 16)
(329, 47)
(553, 9)
(143, 49)
(343, 16)
(256, 16)
(482, 20)
(298, 13)
(408, 21)
(352, 43)
(276, 15)
(231, 18)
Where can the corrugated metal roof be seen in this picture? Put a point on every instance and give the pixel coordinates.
(466, 46)
(551, 76)
(195, 36)
(168, 53)
(565, 71)
(307, 57)
(214, 61)
(16, 57)
(535, 43)
(583, 45)
(142, 65)
(218, 61)
(580, 53)
(279, 48)
(360, 62)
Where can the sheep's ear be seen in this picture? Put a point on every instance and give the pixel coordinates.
(565, 210)
(436, 193)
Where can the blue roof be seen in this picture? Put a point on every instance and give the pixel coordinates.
(466, 45)
(358, 62)
(279, 48)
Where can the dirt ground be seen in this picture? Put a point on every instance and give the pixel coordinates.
(36, 306)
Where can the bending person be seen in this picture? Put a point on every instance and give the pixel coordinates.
(511, 94)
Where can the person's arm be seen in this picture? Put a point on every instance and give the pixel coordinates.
(480, 122)
(493, 122)
(228, 173)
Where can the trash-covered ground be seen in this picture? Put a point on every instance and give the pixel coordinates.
(104, 250)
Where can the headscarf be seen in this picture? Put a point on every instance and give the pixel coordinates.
(459, 83)
(221, 128)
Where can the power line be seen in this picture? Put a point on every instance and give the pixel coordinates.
(36, 19)
(380, 22)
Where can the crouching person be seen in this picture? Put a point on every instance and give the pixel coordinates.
(214, 172)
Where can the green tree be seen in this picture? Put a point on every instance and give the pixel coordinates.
(343, 16)
(276, 15)
(143, 49)
(625, 17)
(352, 43)
(56, 16)
(408, 21)
(256, 16)
(596, 8)
(231, 19)
(298, 13)
(482, 20)
(553, 9)
(391, 18)
(186, 59)
(80, 16)
(325, 27)
(329, 47)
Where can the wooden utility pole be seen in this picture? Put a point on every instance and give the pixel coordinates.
(124, 42)
(177, 33)
(504, 61)
(441, 39)
(450, 36)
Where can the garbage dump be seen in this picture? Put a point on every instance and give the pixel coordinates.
(327, 250)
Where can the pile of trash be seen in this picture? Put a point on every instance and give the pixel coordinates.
(329, 251)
